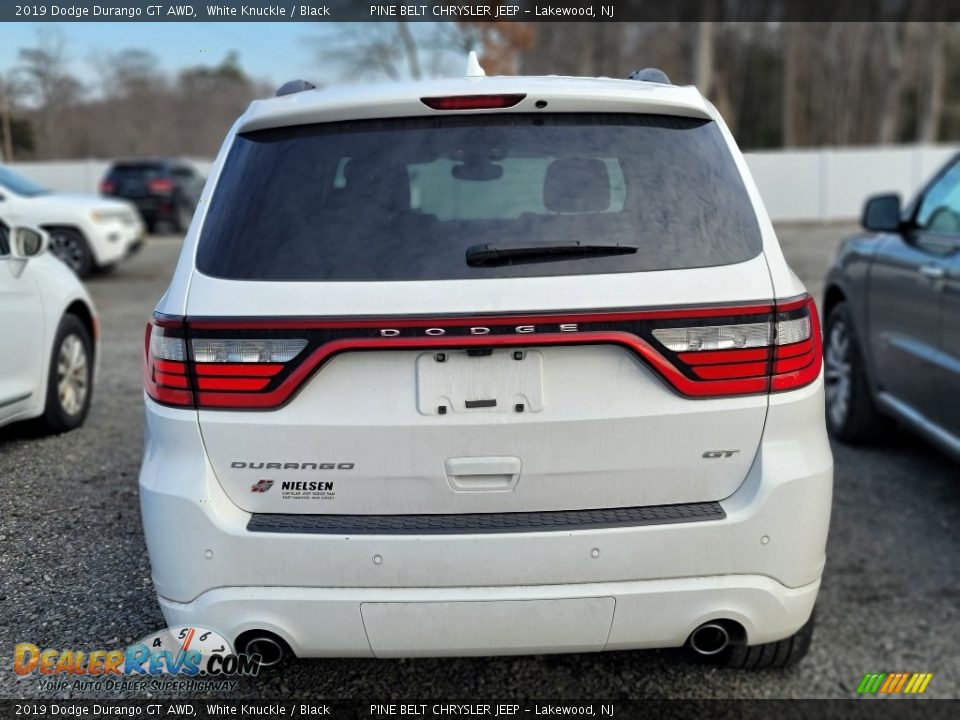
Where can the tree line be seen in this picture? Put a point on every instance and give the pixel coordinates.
(777, 84)
(133, 109)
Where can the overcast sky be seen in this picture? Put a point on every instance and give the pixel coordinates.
(275, 52)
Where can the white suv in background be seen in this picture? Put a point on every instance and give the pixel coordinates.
(486, 366)
(87, 232)
(48, 331)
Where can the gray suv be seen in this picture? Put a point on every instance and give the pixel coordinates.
(892, 318)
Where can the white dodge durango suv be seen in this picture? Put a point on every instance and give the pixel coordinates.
(486, 366)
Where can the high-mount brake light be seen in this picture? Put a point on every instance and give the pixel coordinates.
(473, 102)
(259, 364)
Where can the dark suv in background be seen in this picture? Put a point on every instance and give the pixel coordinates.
(892, 309)
(164, 191)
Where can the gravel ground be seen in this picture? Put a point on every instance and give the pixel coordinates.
(74, 570)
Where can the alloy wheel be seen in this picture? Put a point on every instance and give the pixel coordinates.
(67, 247)
(838, 373)
(73, 377)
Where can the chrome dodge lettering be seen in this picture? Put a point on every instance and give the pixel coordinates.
(482, 330)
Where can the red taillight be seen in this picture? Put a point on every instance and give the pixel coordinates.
(107, 186)
(160, 185)
(473, 102)
(776, 352)
(166, 376)
(797, 363)
(212, 371)
(699, 352)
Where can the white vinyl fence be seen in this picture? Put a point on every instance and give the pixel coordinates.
(822, 185)
(77, 176)
(831, 184)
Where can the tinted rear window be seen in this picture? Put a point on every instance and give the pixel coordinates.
(138, 170)
(403, 199)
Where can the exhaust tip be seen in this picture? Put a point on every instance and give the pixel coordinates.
(709, 639)
(267, 646)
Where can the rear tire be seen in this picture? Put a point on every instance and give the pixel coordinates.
(72, 249)
(70, 378)
(778, 654)
(852, 416)
(182, 215)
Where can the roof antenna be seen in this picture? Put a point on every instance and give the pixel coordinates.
(473, 66)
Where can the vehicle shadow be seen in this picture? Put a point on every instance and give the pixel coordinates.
(23, 430)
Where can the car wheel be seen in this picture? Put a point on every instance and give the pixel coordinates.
(70, 380)
(851, 414)
(781, 653)
(71, 247)
(181, 218)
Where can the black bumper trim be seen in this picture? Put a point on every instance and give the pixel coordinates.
(469, 523)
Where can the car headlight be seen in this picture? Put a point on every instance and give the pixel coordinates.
(99, 216)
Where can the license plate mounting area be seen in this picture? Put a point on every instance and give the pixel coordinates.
(458, 381)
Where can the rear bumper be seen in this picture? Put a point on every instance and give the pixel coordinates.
(410, 622)
(651, 585)
(152, 209)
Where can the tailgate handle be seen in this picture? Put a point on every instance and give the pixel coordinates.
(482, 473)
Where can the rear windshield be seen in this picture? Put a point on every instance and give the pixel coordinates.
(137, 170)
(405, 199)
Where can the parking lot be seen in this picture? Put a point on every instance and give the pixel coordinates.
(74, 571)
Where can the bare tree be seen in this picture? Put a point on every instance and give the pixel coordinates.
(6, 112)
(133, 114)
(501, 44)
(392, 51)
(930, 105)
(206, 102)
(52, 89)
(582, 49)
(703, 58)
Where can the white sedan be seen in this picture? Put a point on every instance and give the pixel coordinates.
(49, 333)
(87, 232)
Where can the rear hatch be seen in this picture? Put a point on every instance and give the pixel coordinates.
(138, 181)
(477, 313)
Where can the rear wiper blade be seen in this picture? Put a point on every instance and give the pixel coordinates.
(507, 254)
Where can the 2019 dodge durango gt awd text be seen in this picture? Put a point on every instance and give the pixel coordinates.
(486, 366)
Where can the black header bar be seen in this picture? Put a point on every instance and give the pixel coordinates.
(467, 10)
(459, 709)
